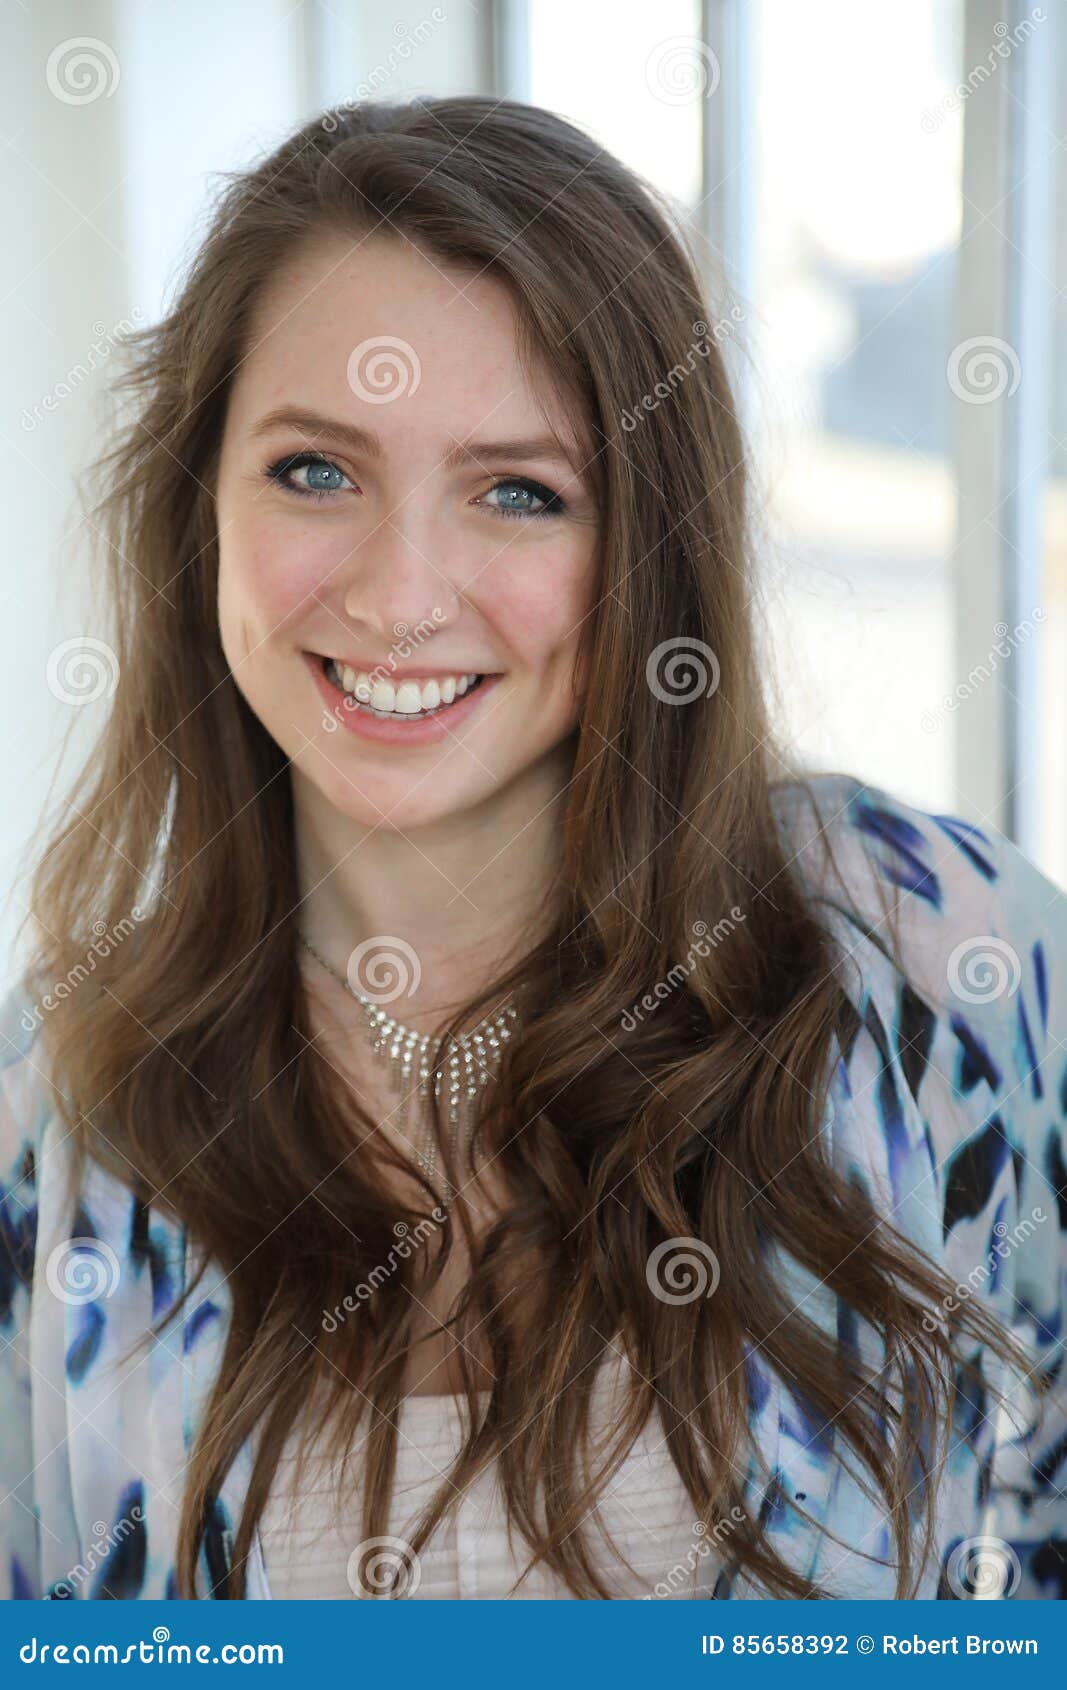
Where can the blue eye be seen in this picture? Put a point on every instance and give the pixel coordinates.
(325, 479)
(319, 470)
(550, 503)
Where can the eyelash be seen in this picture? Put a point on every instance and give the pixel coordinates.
(278, 472)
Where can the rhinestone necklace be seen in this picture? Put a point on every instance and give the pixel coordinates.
(469, 1063)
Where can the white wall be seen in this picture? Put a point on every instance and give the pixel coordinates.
(65, 285)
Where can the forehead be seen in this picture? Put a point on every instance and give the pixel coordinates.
(347, 320)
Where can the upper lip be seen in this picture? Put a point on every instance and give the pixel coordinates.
(386, 670)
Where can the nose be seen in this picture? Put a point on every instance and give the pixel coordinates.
(395, 584)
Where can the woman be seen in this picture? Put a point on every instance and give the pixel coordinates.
(480, 1122)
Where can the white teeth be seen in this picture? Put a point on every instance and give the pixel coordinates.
(408, 698)
(350, 680)
(407, 701)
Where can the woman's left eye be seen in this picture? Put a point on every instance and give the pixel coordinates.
(324, 477)
(517, 490)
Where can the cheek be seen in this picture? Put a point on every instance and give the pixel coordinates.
(268, 578)
(539, 604)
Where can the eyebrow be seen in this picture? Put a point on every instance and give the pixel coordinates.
(364, 440)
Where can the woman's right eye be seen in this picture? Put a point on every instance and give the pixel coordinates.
(324, 478)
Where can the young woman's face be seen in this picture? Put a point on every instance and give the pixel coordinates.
(410, 518)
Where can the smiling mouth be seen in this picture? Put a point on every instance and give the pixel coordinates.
(354, 700)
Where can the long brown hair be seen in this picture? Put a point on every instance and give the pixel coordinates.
(614, 1133)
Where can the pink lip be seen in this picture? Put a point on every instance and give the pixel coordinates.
(424, 731)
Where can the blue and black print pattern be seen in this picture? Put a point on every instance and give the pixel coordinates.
(947, 1105)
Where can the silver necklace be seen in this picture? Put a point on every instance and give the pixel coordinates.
(469, 1063)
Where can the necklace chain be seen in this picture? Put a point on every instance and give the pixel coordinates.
(469, 1062)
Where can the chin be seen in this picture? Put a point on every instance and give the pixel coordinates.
(393, 808)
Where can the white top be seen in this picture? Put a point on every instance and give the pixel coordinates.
(307, 1551)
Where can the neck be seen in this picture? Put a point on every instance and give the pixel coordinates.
(463, 893)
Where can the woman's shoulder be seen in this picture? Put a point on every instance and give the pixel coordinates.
(972, 918)
(953, 957)
(938, 855)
